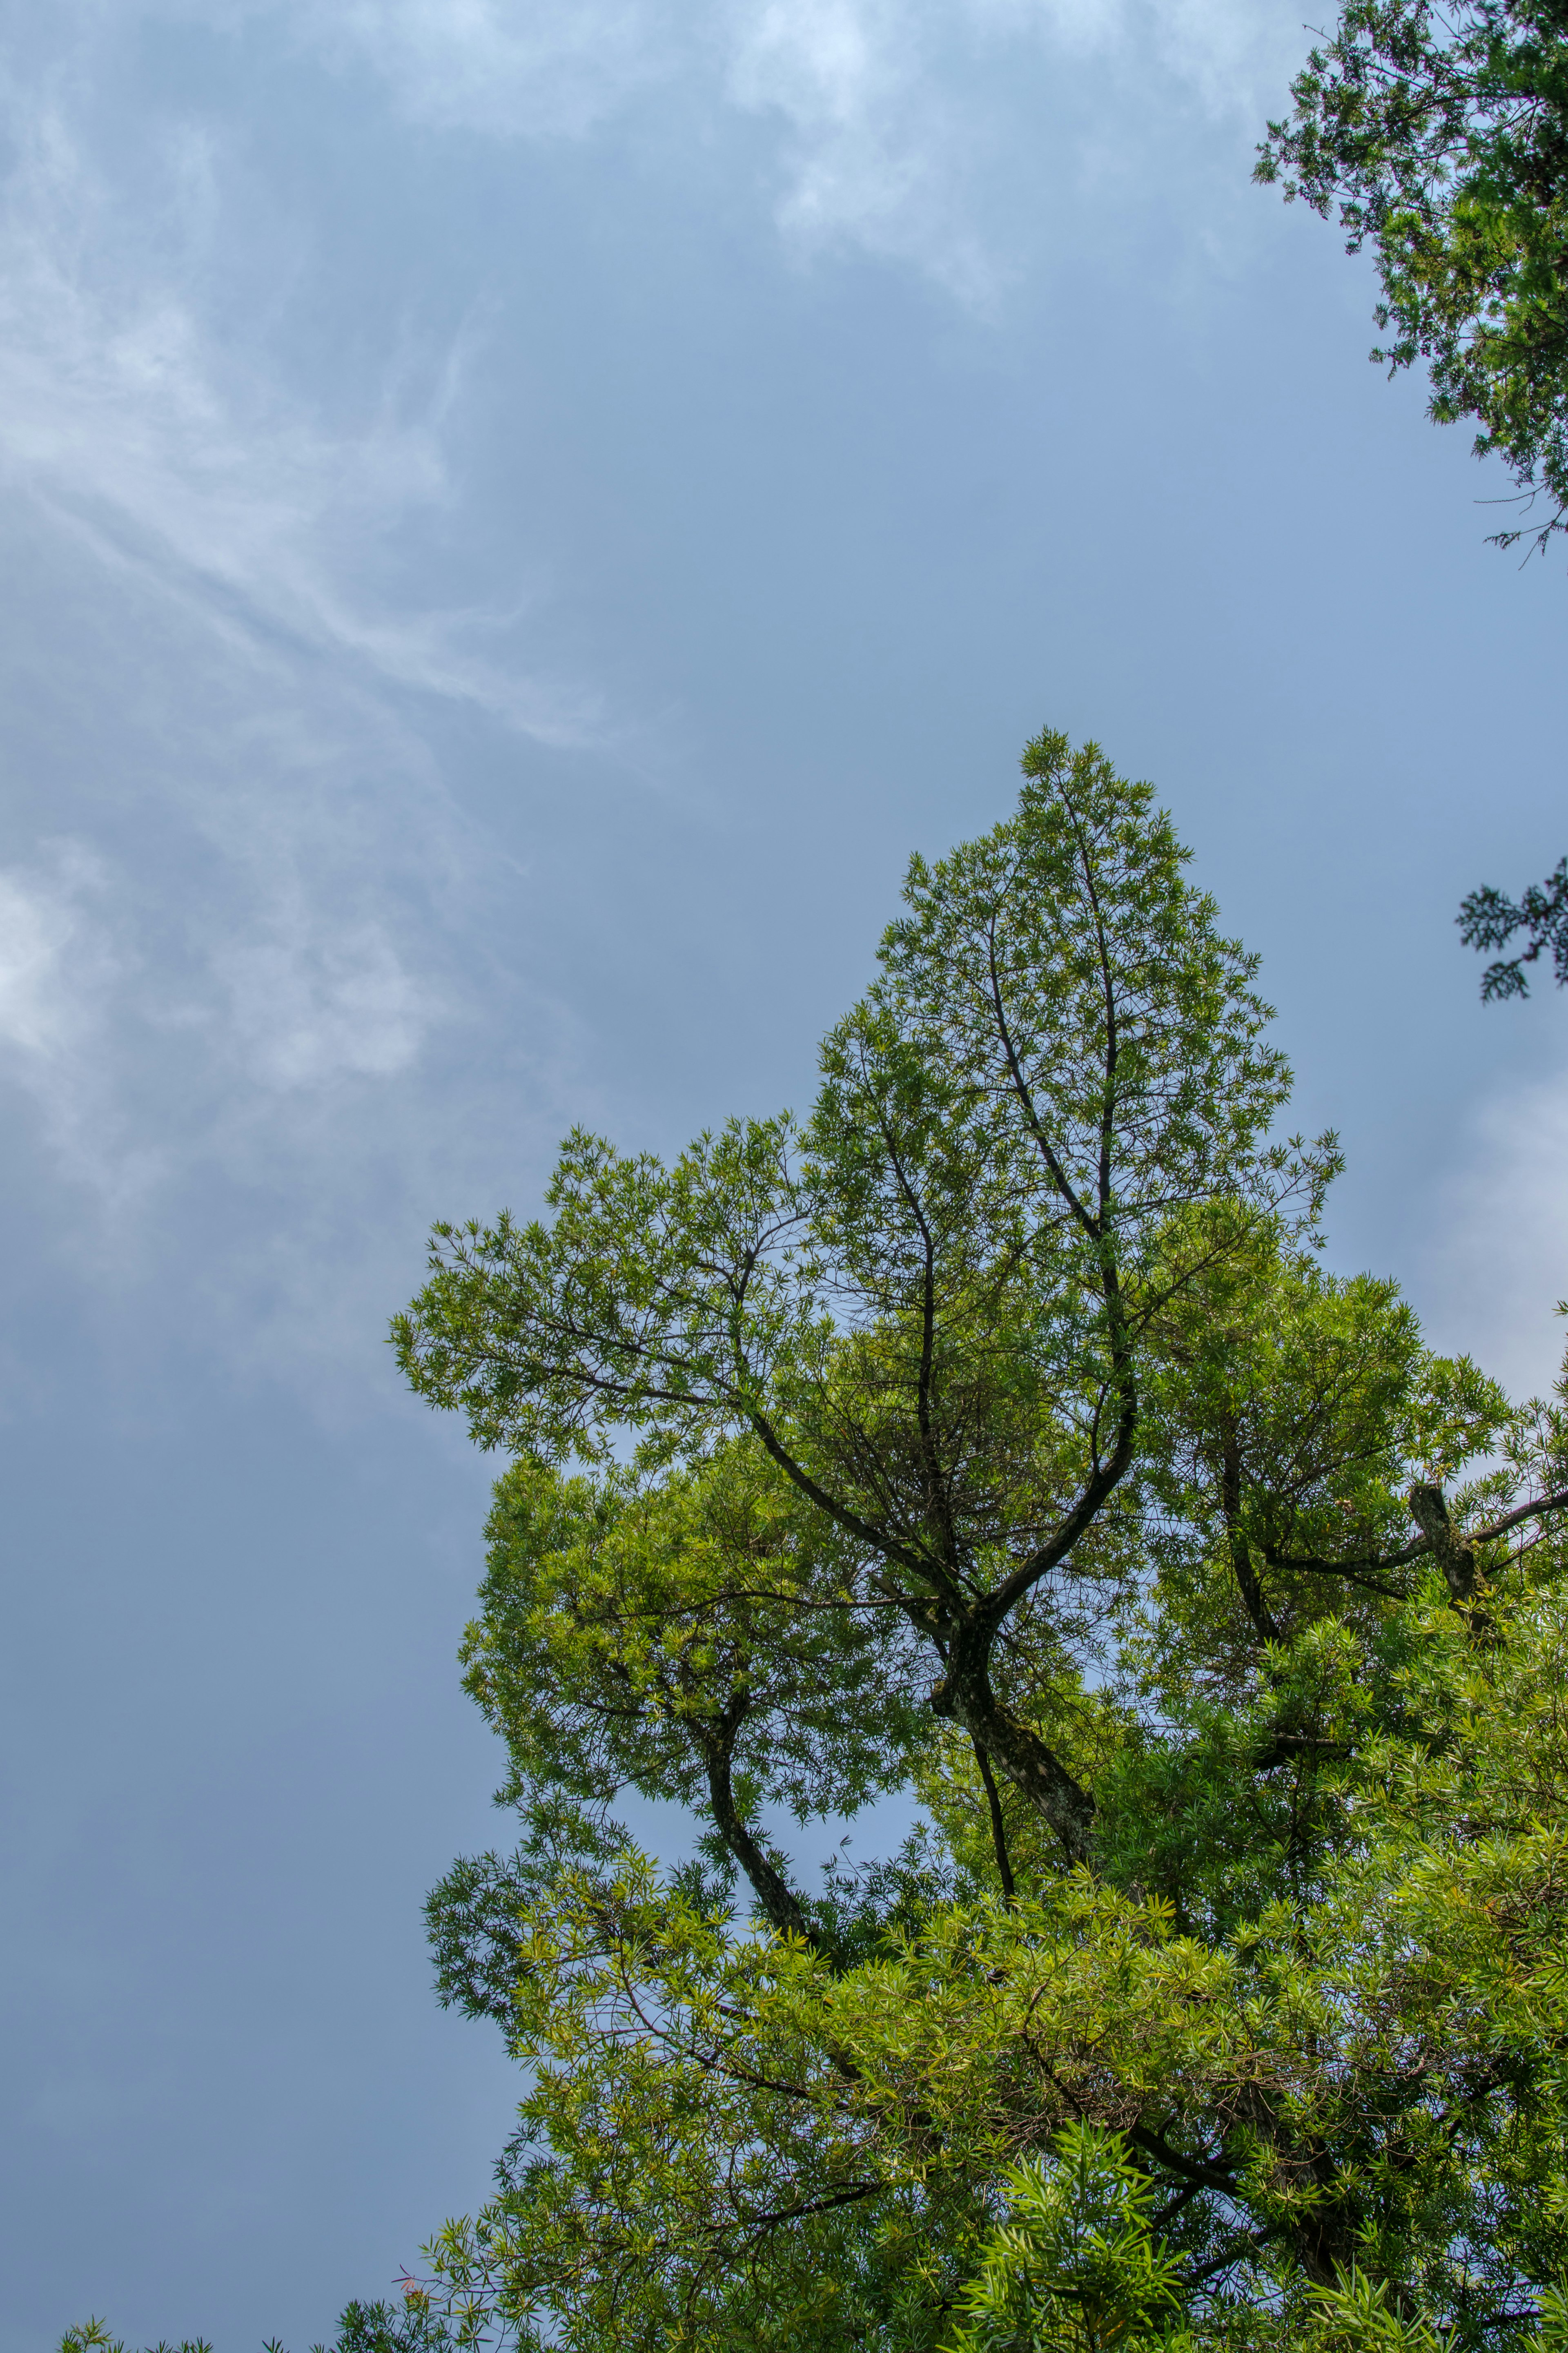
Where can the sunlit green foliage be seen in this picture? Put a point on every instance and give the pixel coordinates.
(926, 1305)
(1220, 1999)
(996, 1437)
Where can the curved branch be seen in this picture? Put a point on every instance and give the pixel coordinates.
(998, 1827)
(773, 1893)
(1436, 1537)
(1097, 1493)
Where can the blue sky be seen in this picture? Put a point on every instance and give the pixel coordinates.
(518, 519)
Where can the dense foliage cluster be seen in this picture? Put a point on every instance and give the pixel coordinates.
(994, 1440)
(995, 1435)
(1441, 136)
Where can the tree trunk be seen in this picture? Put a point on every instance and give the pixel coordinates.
(964, 1693)
(777, 1898)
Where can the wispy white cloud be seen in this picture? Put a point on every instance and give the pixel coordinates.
(61, 972)
(142, 1067)
(41, 925)
(307, 1005)
(118, 408)
(879, 143)
(227, 979)
(945, 133)
(230, 975)
(914, 131)
(541, 71)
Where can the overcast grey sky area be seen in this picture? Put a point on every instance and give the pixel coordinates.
(520, 517)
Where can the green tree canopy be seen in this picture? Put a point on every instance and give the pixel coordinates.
(1441, 136)
(994, 1435)
(929, 1305)
(994, 1438)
